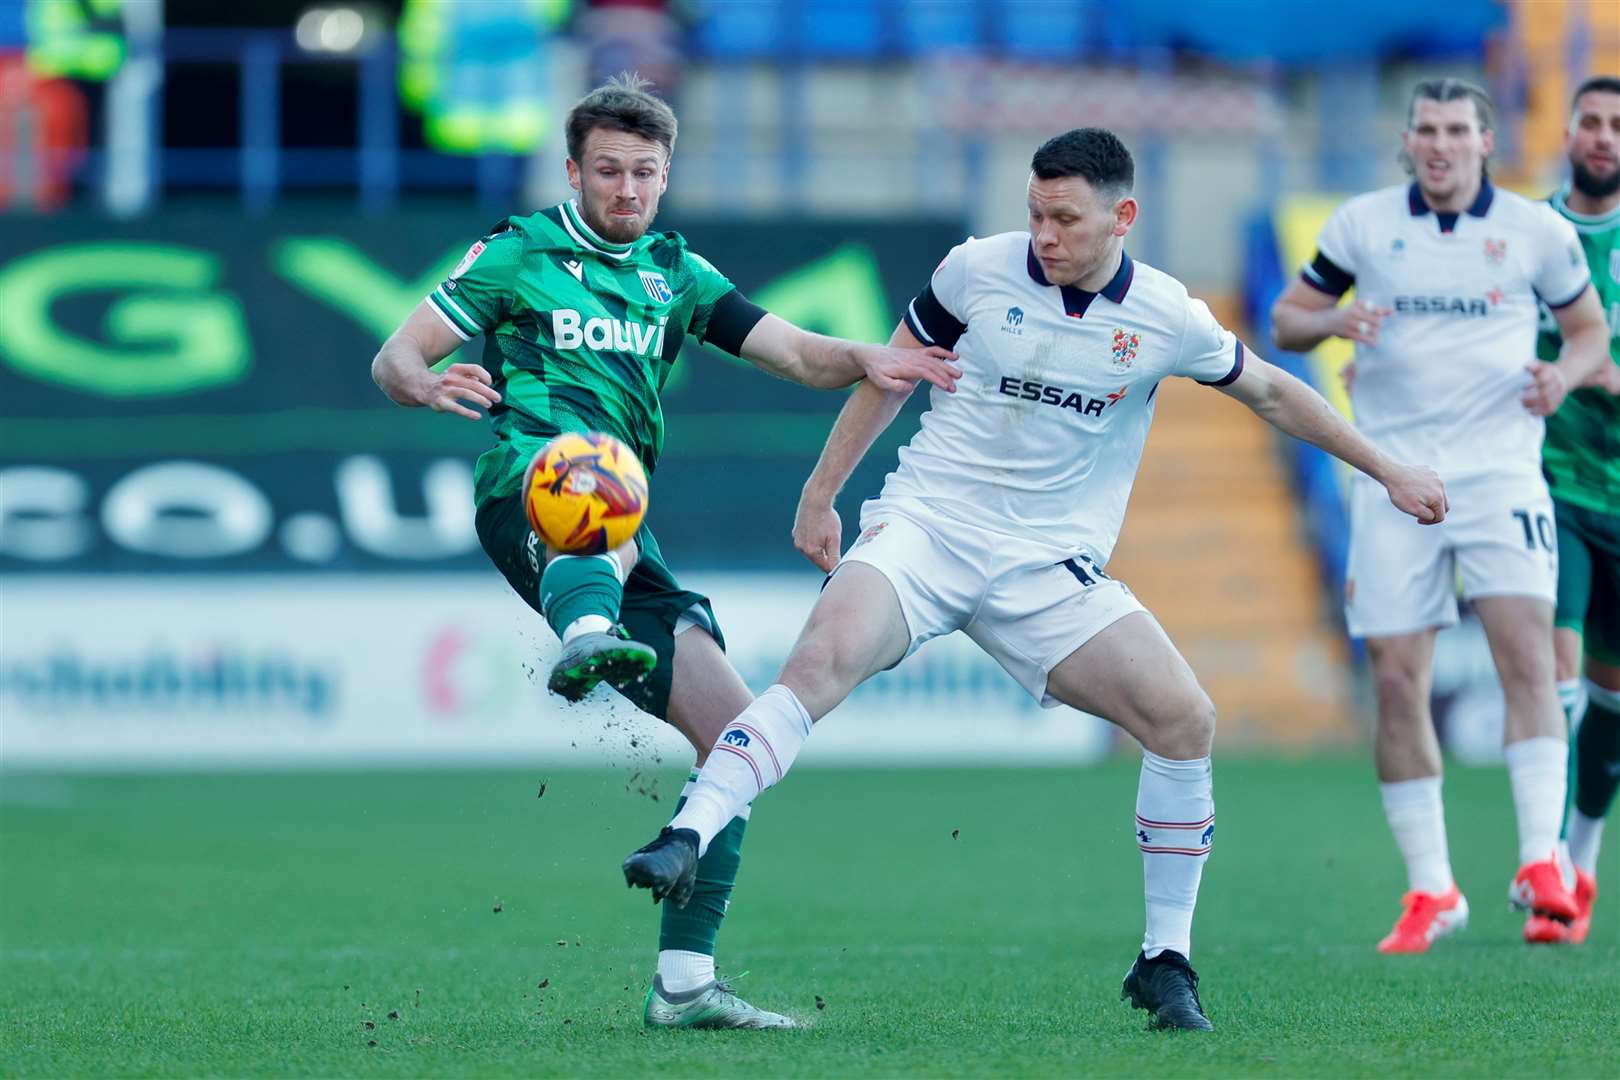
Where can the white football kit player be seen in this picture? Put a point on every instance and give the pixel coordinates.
(1442, 388)
(1007, 503)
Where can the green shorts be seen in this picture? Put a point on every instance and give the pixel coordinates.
(1589, 578)
(653, 600)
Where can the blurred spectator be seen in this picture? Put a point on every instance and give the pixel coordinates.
(478, 73)
(42, 136)
(81, 39)
(643, 36)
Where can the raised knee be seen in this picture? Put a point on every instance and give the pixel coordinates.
(1184, 731)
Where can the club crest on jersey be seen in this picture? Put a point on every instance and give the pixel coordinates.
(1125, 346)
(467, 260)
(656, 286)
(1397, 248)
(1495, 251)
(1015, 322)
(871, 533)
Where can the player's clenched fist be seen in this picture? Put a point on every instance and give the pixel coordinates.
(1359, 322)
(818, 534)
(892, 369)
(1417, 490)
(458, 383)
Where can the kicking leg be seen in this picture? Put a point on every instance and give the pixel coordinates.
(855, 631)
(580, 596)
(1131, 674)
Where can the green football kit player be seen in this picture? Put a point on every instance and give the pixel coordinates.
(583, 311)
(1581, 459)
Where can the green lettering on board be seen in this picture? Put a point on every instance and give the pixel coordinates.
(343, 277)
(171, 333)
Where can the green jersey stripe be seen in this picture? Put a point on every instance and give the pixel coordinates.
(447, 318)
(465, 323)
(586, 237)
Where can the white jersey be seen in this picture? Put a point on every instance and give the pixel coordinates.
(1443, 386)
(1042, 439)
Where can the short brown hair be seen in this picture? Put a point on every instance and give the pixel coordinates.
(623, 103)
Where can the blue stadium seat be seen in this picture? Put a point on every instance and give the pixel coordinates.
(1042, 29)
(741, 31)
(842, 29)
(930, 26)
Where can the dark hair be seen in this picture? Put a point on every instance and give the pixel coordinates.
(1444, 90)
(623, 104)
(1095, 154)
(1453, 90)
(1603, 84)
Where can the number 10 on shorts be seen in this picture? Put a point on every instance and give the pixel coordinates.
(1542, 531)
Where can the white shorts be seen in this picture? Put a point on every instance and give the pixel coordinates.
(1498, 539)
(1027, 605)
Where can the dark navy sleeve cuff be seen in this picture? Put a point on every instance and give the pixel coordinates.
(1237, 369)
(1580, 292)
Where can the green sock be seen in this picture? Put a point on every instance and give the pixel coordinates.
(693, 928)
(1572, 696)
(576, 585)
(1597, 754)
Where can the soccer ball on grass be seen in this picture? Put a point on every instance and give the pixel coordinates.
(585, 493)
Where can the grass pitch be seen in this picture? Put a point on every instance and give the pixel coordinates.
(921, 922)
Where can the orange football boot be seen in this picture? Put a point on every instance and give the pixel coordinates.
(1585, 897)
(1541, 930)
(1539, 887)
(1426, 918)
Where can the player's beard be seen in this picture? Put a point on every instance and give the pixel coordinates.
(619, 232)
(1592, 185)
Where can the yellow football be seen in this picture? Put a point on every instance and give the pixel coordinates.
(585, 493)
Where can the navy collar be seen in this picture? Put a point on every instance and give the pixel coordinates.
(1076, 301)
(1448, 220)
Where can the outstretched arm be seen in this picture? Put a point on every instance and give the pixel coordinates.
(779, 347)
(403, 368)
(817, 532)
(1295, 409)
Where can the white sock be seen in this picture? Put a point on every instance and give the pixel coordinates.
(1585, 834)
(753, 753)
(1175, 825)
(1538, 769)
(1418, 820)
(681, 971)
(586, 624)
(1572, 696)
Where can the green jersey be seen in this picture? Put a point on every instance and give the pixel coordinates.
(581, 333)
(1581, 456)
